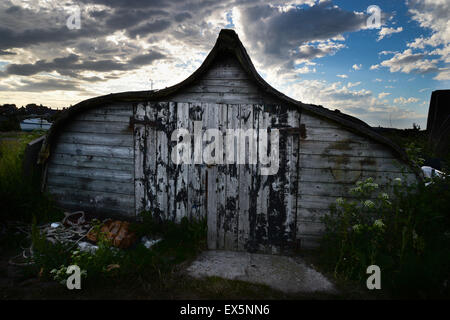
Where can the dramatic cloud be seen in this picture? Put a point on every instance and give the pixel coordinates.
(5, 53)
(408, 62)
(384, 32)
(150, 27)
(353, 84)
(432, 15)
(147, 58)
(387, 52)
(444, 74)
(122, 44)
(381, 95)
(72, 65)
(48, 85)
(319, 49)
(282, 34)
(360, 103)
(285, 37)
(402, 100)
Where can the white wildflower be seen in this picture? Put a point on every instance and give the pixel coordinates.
(369, 204)
(356, 190)
(378, 223)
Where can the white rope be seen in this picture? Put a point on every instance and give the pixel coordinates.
(73, 233)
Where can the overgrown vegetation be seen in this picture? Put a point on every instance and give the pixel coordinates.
(416, 140)
(138, 272)
(180, 243)
(406, 235)
(20, 195)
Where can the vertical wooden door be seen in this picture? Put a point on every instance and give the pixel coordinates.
(168, 191)
(245, 210)
(248, 211)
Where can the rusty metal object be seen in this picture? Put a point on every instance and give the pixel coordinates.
(292, 130)
(117, 232)
(147, 122)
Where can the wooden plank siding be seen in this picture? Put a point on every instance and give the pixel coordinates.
(332, 159)
(225, 83)
(92, 165)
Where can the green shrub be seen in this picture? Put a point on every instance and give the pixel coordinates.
(180, 242)
(61, 274)
(415, 154)
(48, 255)
(20, 197)
(406, 235)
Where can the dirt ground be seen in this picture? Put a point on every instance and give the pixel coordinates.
(16, 284)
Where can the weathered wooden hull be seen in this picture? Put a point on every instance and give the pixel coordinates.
(115, 159)
(103, 165)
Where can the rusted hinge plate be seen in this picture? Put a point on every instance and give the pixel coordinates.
(292, 130)
(147, 122)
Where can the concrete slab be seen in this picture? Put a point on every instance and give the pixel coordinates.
(279, 272)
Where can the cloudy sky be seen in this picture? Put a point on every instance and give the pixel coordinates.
(317, 51)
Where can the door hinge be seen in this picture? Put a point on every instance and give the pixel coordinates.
(147, 122)
(292, 130)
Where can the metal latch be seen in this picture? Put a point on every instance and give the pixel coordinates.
(146, 121)
(292, 130)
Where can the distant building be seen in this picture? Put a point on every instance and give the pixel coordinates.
(438, 123)
(31, 124)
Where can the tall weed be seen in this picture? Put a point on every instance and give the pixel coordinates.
(407, 235)
(20, 195)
